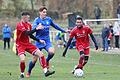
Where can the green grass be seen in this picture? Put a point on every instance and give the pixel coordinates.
(100, 66)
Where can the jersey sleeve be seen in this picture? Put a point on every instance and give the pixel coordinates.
(72, 33)
(89, 30)
(56, 26)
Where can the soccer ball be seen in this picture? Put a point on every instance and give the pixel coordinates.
(78, 73)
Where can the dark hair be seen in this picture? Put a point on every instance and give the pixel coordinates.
(42, 8)
(78, 17)
(25, 13)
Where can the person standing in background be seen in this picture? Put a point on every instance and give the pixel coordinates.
(105, 35)
(116, 32)
(97, 12)
(118, 12)
(110, 38)
(6, 35)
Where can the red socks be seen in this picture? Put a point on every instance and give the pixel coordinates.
(43, 62)
(22, 66)
(81, 61)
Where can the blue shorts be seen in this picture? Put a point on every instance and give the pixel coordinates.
(44, 46)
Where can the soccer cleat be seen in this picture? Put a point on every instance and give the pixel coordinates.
(75, 67)
(48, 73)
(73, 71)
(22, 76)
(27, 75)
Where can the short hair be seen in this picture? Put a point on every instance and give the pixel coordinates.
(25, 13)
(78, 17)
(42, 8)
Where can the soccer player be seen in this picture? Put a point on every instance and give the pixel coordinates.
(22, 43)
(43, 34)
(81, 33)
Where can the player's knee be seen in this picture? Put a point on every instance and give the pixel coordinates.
(38, 53)
(22, 58)
(51, 51)
(81, 53)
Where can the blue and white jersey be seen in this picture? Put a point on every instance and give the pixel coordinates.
(43, 34)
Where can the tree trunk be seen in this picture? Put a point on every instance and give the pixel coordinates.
(115, 5)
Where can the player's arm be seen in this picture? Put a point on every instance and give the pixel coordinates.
(68, 44)
(30, 33)
(33, 37)
(94, 40)
(57, 27)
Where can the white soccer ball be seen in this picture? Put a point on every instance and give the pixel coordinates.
(78, 73)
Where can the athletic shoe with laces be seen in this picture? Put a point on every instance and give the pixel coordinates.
(27, 75)
(48, 73)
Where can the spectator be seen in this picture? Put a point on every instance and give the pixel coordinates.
(97, 12)
(116, 31)
(6, 35)
(105, 34)
(60, 37)
(110, 38)
(118, 12)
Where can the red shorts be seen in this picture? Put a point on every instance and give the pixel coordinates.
(85, 50)
(29, 48)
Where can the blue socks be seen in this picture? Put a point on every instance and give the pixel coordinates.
(50, 56)
(31, 65)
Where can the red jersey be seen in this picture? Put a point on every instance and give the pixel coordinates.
(22, 38)
(82, 36)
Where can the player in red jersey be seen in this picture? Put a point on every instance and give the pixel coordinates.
(23, 43)
(81, 33)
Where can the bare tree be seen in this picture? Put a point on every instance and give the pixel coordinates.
(32, 5)
(85, 9)
(1, 1)
(115, 5)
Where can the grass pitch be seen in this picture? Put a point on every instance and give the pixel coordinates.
(101, 66)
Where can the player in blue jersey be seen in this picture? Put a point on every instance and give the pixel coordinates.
(43, 34)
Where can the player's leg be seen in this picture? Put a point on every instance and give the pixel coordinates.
(51, 52)
(4, 43)
(86, 57)
(36, 52)
(8, 43)
(81, 60)
(31, 65)
(22, 65)
(86, 60)
(42, 61)
(21, 52)
(82, 56)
